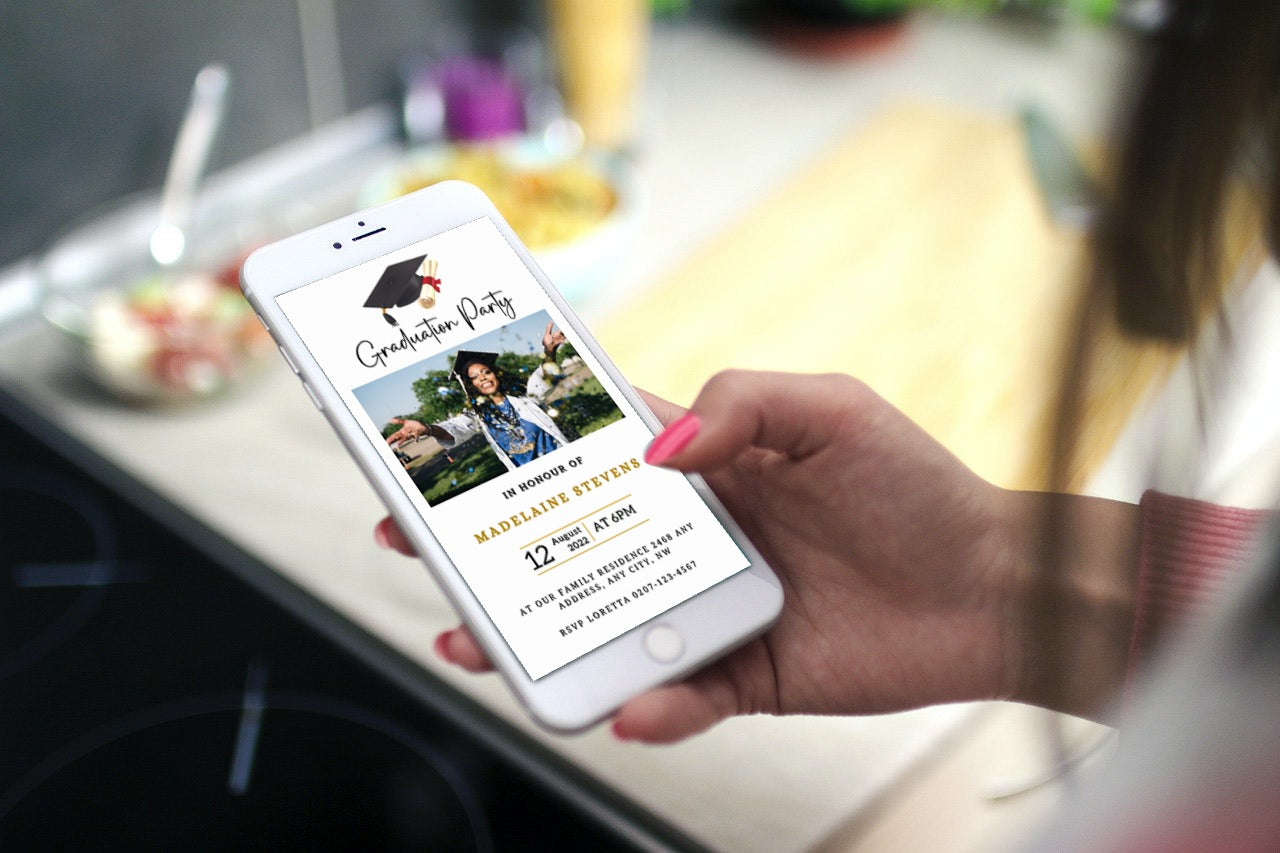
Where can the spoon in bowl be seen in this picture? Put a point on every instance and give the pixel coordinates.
(190, 155)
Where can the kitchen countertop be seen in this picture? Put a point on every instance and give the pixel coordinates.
(728, 122)
(726, 118)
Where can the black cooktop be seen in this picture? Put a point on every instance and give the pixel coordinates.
(159, 689)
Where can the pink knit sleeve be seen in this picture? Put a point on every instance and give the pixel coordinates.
(1189, 548)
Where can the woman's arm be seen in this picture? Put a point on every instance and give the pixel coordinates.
(909, 580)
(540, 384)
(454, 430)
(1073, 634)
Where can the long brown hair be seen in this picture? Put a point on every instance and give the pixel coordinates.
(1207, 114)
(1204, 126)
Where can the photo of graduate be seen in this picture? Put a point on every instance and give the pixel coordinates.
(517, 427)
(508, 398)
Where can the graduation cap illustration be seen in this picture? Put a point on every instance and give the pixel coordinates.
(403, 283)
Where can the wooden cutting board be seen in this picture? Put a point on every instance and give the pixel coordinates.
(916, 255)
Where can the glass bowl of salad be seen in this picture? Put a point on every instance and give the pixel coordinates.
(151, 333)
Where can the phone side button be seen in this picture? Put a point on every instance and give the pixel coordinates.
(312, 395)
(287, 360)
(664, 644)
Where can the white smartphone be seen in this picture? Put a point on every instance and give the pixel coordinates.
(510, 451)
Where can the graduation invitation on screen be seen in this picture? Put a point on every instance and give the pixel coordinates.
(517, 449)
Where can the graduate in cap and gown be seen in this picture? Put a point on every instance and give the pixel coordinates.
(517, 427)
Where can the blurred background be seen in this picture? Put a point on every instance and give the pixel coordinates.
(898, 190)
(570, 114)
(94, 94)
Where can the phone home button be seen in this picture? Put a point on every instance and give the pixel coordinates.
(664, 644)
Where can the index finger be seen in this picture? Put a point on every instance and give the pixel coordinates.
(387, 534)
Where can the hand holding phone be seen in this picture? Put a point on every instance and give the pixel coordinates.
(509, 450)
(904, 571)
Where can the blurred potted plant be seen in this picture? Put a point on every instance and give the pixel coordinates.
(843, 12)
(835, 27)
(841, 27)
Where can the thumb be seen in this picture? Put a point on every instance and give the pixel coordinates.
(789, 413)
(664, 410)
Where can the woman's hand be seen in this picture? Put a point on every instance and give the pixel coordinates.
(900, 566)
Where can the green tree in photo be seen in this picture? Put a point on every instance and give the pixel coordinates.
(439, 397)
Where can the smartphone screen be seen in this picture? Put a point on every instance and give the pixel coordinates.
(512, 442)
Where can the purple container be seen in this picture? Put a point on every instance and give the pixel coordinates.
(481, 101)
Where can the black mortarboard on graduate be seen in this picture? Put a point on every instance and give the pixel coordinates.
(400, 284)
(466, 357)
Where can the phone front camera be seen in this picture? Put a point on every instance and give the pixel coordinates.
(337, 245)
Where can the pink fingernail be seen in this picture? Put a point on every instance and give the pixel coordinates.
(673, 439)
(380, 535)
(617, 732)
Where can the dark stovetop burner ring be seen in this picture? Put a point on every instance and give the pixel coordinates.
(44, 599)
(122, 724)
(258, 769)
